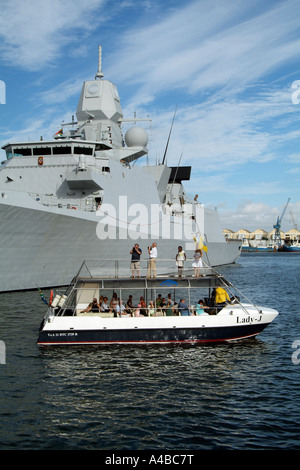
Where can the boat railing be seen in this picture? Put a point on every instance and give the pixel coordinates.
(122, 268)
(93, 281)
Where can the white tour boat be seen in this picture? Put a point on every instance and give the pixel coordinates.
(73, 319)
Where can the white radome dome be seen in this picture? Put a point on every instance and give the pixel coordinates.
(136, 137)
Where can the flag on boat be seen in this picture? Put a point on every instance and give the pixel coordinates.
(201, 245)
(42, 296)
(60, 132)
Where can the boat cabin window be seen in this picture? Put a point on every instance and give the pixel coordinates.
(83, 150)
(61, 150)
(106, 169)
(20, 152)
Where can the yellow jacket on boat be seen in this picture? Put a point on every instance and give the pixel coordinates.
(221, 295)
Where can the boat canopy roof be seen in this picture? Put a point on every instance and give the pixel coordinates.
(91, 272)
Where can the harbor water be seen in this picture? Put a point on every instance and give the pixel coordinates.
(239, 396)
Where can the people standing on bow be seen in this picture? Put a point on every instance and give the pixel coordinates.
(197, 263)
(180, 259)
(152, 251)
(135, 260)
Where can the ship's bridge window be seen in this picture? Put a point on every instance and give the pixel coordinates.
(61, 150)
(9, 154)
(106, 169)
(20, 152)
(42, 151)
(83, 150)
(102, 146)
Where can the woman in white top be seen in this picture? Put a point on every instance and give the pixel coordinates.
(197, 263)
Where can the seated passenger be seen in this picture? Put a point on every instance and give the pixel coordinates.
(129, 305)
(137, 311)
(92, 307)
(104, 306)
(183, 308)
(169, 309)
(143, 310)
(114, 302)
(151, 309)
(200, 308)
(170, 299)
(120, 309)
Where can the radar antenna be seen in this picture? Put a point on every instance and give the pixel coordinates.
(166, 149)
(99, 74)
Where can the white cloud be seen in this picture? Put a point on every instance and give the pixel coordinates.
(34, 33)
(252, 215)
(218, 49)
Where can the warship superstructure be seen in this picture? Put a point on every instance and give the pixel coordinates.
(82, 196)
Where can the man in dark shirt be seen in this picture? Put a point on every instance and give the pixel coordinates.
(135, 259)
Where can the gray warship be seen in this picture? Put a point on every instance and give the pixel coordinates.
(87, 194)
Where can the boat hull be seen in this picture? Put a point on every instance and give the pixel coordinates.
(231, 324)
(253, 249)
(150, 336)
(291, 248)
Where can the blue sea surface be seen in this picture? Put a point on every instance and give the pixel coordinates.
(239, 396)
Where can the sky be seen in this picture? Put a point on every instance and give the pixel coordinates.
(230, 69)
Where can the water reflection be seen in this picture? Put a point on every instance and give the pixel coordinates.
(228, 396)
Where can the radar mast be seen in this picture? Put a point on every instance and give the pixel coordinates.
(99, 73)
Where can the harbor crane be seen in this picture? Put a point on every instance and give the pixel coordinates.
(295, 226)
(277, 226)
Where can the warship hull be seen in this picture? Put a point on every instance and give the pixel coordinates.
(42, 247)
